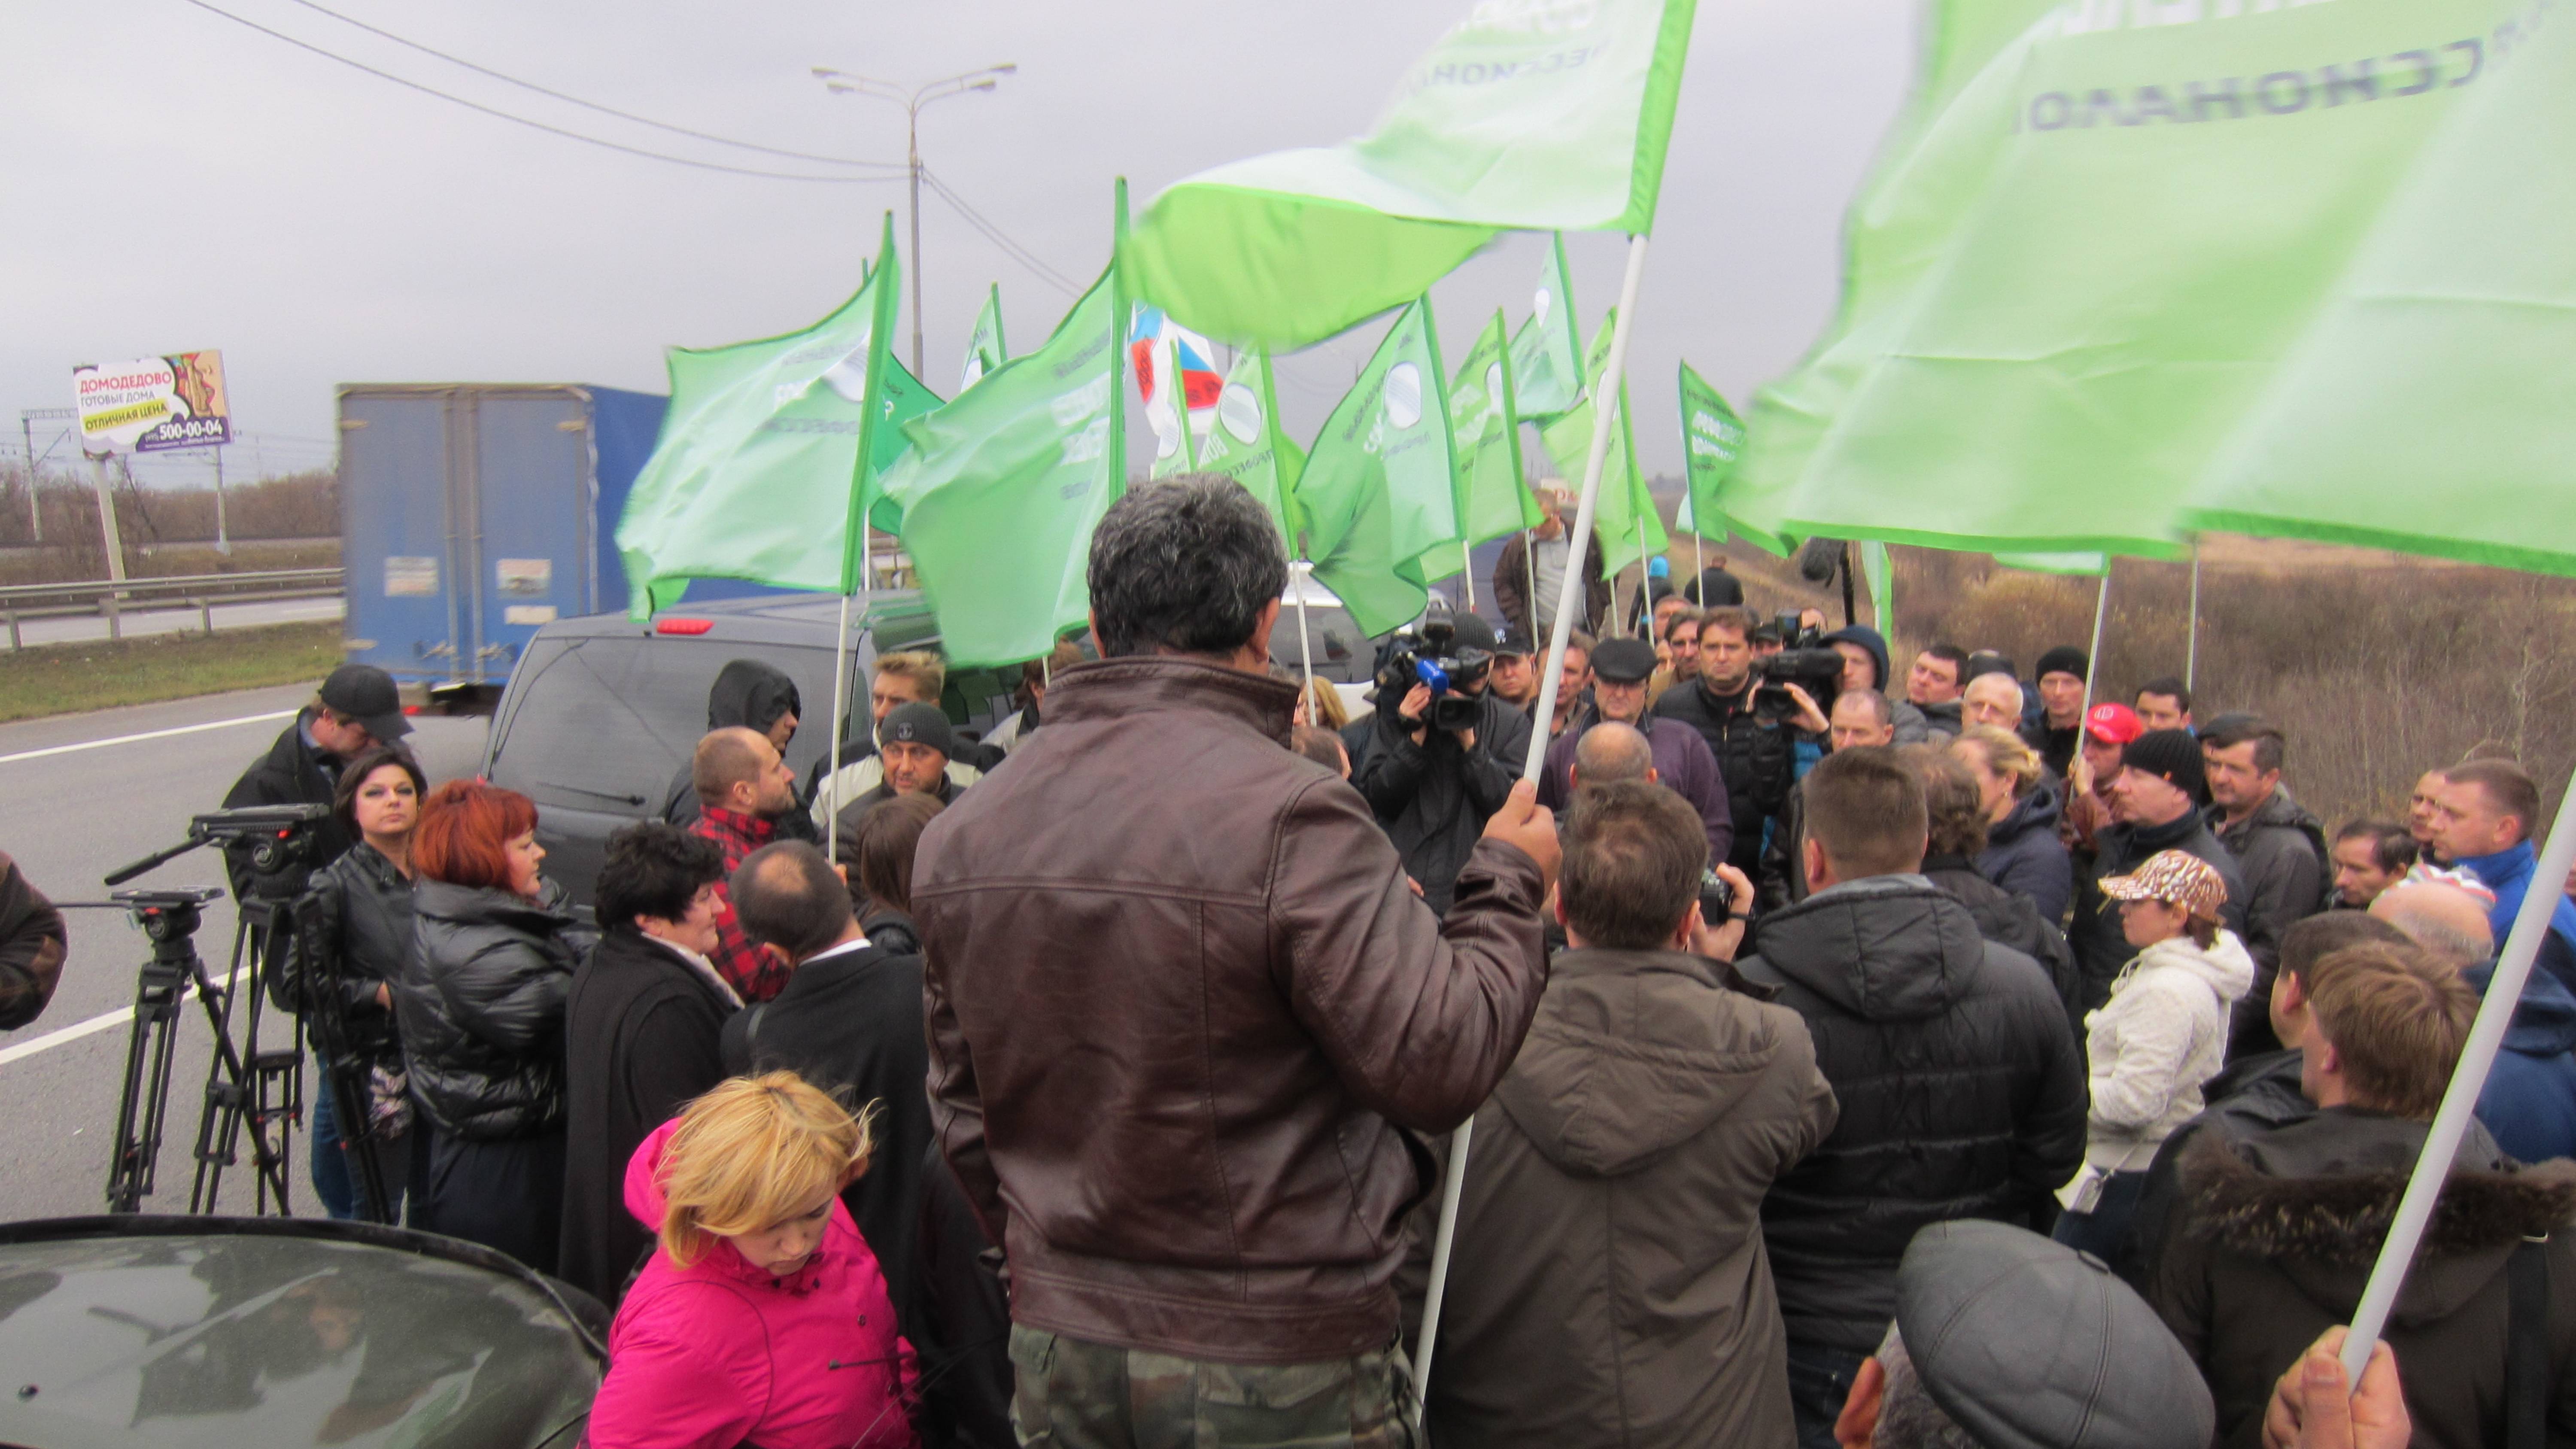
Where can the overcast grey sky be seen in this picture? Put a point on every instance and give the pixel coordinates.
(174, 180)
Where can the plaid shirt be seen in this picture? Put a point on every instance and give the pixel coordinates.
(751, 971)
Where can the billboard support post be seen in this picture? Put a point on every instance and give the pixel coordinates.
(223, 536)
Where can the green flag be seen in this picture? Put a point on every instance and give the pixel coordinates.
(1003, 485)
(2102, 243)
(1247, 445)
(1543, 115)
(1378, 492)
(1547, 364)
(906, 398)
(757, 474)
(1712, 441)
(985, 350)
(1624, 516)
(2429, 407)
(1492, 498)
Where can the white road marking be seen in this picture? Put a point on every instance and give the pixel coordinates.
(96, 1024)
(146, 735)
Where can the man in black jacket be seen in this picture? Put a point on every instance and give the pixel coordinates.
(2155, 805)
(1758, 757)
(31, 948)
(356, 707)
(640, 1033)
(850, 1023)
(1963, 1093)
(1432, 788)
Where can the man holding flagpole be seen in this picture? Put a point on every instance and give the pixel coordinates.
(1184, 1010)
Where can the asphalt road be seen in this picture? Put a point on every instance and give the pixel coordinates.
(179, 621)
(79, 796)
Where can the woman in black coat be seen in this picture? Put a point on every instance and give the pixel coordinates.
(481, 1006)
(640, 1037)
(353, 928)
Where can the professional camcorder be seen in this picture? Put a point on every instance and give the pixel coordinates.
(1804, 660)
(1430, 657)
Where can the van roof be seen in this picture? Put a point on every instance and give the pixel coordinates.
(765, 618)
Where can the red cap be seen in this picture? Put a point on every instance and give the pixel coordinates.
(2113, 724)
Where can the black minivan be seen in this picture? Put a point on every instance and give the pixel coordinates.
(602, 711)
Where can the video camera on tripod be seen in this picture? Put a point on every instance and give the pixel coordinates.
(1430, 657)
(274, 846)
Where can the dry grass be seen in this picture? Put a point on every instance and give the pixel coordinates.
(62, 678)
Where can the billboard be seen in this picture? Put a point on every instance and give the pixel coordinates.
(152, 404)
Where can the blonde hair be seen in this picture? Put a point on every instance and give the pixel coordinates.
(1324, 705)
(2006, 754)
(751, 1154)
(927, 671)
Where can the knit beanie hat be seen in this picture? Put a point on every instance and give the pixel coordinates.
(2064, 659)
(919, 724)
(2172, 756)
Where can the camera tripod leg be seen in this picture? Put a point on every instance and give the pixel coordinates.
(237, 1082)
(143, 1105)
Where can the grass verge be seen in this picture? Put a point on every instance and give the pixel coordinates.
(48, 679)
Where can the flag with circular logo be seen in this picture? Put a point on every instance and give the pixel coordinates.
(1379, 490)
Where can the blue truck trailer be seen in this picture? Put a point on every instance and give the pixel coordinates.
(474, 514)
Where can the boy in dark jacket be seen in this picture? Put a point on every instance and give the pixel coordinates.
(640, 1037)
(2278, 1230)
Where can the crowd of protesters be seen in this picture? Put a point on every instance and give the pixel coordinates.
(1859, 1050)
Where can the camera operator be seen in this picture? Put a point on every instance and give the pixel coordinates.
(1443, 759)
(31, 948)
(357, 707)
(1752, 729)
(353, 927)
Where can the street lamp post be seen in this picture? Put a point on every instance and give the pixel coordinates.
(844, 83)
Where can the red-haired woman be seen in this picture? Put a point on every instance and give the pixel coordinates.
(481, 1003)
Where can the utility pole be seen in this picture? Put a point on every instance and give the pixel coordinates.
(27, 419)
(843, 83)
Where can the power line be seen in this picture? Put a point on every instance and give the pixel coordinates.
(523, 120)
(1024, 256)
(591, 105)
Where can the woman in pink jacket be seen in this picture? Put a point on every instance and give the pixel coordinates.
(761, 1316)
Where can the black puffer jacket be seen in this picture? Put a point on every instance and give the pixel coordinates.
(481, 1008)
(353, 929)
(1433, 798)
(1962, 1091)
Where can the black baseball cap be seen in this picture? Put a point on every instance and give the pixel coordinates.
(366, 694)
(1511, 642)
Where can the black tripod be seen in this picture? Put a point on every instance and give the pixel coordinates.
(245, 1087)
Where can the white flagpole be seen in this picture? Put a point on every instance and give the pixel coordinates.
(1467, 557)
(1454, 1181)
(2460, 1101)
(2191, 645)
(1301, 571)
(2092, 661)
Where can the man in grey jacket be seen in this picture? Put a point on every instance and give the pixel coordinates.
(1650, 1109)
(2280, 851)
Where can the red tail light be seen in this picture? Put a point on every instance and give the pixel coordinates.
(682, 626)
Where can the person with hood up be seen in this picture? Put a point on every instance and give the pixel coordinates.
(2023, 852)
(1961, 1087)
(748, 694)
(1864, 652)
(2161, 1035)
(2280, 848)
(2277, 1231)
(761, 1316)
(1648, 1112)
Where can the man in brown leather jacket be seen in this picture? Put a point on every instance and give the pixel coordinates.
(1185, 1013)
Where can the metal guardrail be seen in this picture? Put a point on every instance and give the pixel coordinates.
(109, 599)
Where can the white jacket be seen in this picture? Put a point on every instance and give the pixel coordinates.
(2161, 1035)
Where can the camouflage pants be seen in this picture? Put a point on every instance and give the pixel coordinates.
(1076, 1395)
